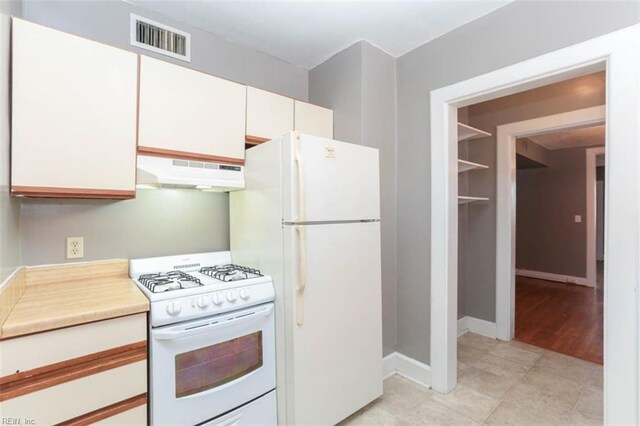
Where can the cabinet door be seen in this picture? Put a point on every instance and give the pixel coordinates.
(189, 114)
(73, 116)
(313, 120)
(268, 115)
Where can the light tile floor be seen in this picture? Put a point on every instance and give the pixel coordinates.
(499, 383)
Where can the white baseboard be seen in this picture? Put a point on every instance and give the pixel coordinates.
(389, 365)
(554, 277)
(477, 326)
(409, 368)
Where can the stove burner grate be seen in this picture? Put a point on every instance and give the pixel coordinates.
(168, 281)
(230, 272)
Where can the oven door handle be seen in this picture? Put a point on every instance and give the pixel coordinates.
(178, 333)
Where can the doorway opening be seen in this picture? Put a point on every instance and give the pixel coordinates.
(558, 302)
(549, 130)
(617, 53)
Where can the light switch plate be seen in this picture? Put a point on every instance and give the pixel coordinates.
(578, 218)
(75, 247)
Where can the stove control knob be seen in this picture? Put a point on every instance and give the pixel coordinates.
(217, 300)
(244, 293)
(231, 296)
(203, 302)
(174, 308)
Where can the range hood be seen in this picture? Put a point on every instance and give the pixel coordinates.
(159, 172)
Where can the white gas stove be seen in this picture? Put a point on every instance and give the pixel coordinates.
(211, 340)
(182, 288)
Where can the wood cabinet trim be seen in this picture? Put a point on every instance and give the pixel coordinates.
(184, 155)
(108, 411)
(255, 140)
(50, 192)
(21, 383)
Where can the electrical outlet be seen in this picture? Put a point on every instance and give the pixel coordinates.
(75, 247)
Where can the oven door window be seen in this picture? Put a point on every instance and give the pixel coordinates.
(212, 366)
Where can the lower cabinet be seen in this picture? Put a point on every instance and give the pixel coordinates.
(91, 373)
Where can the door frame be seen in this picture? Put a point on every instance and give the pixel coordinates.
(619, 52)
(506, 136)
(591, 211)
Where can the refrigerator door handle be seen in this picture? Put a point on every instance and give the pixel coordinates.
(301, 194)
(302, 273)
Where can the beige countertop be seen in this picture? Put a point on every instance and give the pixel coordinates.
(44, 298)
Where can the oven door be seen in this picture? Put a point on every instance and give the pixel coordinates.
(206, 367)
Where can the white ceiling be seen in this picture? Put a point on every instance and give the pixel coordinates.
(306, 33)
(575, 138)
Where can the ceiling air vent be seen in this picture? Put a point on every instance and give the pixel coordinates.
(160, 38)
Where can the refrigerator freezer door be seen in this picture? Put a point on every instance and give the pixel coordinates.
(334, 360)
(328, 181)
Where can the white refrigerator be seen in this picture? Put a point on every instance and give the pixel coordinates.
(310, 217)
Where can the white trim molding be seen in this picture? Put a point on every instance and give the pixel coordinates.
(389, 365)
(591, 208)
(618, 53)
(477, 326)
(568, 279)
(409, 368)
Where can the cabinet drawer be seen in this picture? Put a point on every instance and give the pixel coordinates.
(72, 399)
(18, 354)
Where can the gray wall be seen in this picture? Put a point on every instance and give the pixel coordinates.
(157, 222)
(379, 131)
(547, 238)
(359, 85)
(108, 22)
(9, 207)
(513, 33)
(337, 84)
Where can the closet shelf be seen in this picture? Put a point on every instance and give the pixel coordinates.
(464, 199)
(465, 166)
(466, 132)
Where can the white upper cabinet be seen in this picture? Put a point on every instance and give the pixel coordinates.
(189, 114)
(73, 116)
(268, 115)
(313, 120)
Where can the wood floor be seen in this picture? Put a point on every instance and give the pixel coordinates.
(565, 318)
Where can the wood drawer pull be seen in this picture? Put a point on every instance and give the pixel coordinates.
(25, 382)
(81, 193)
(108, 411)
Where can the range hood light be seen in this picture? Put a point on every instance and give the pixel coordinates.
(146, 186)
(203, 186)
